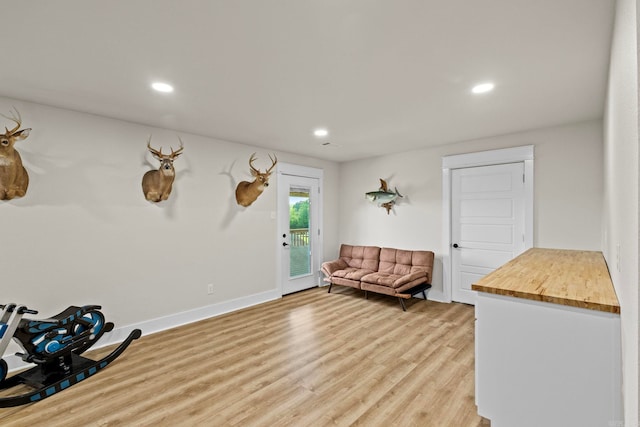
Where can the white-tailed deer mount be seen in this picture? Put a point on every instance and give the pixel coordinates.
(156, 184)
(13, 176)
(248, 192)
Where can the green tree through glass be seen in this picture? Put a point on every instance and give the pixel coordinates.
(299, 215)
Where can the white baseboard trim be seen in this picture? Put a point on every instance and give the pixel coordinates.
(437, 296)
(432, 295)
(160, 324)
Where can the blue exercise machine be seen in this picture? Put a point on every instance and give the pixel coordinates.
(54, 345)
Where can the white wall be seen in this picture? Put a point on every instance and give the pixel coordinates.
(568, 192)
(620, 215)
(84, 233)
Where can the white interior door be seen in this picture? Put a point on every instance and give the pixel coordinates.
(299, 232)
(487, 223)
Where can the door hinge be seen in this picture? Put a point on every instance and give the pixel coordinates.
(523, 178)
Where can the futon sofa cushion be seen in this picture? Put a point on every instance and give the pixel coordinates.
(352, 273)
(354, 263)
(401, 269)
(361, 257)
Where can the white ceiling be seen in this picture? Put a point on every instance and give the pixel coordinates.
(382, 76)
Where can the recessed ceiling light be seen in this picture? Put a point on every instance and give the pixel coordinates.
(483, 88)
(162, 87)
(321, 133)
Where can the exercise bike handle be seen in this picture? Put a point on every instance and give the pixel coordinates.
(21, 309)
(25, 310)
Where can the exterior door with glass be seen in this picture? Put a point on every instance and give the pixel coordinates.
(299, 232)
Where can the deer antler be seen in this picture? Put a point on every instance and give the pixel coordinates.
(251, 159)
(156, 153)
(257, 171)
(176, 153)
(13, 118)
(273, 162)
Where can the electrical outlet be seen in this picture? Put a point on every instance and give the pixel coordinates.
(210, 288)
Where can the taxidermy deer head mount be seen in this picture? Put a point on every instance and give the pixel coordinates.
(156, 184)
(13, 176)
(248, 192)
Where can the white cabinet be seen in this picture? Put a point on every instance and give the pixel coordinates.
(544, 363)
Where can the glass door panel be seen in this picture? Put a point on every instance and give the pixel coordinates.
(300, 246)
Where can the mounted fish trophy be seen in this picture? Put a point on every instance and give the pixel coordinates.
(248, 192)
(156, 184)
(14, 179)
(383, 197)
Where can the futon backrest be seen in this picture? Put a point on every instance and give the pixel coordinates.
(401, 262)
(364, 257)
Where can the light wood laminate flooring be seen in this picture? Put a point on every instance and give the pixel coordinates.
(308, 359)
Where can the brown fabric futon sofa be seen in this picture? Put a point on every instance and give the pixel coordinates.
(396, 272)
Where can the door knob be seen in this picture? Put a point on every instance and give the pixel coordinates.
(285, 244)
(455, 245)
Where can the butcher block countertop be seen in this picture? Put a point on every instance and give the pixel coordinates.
(559, 276)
